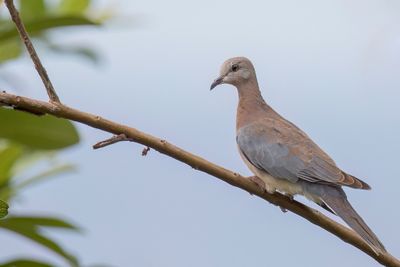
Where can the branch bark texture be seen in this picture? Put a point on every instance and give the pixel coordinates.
(198, 163)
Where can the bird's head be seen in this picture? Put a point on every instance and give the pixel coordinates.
(235, 71)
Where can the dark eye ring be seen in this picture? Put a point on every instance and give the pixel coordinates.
(235, 67)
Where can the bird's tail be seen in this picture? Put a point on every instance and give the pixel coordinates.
(342, 208)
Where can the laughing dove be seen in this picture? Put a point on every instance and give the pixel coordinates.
(283, 157)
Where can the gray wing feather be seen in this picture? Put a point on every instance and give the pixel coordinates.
(284, 151)
(272, 157)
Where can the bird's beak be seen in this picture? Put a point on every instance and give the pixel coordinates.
(217, 82)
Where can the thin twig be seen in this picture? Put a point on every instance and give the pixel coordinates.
(32, 52)
(313, 216)
(112, 140)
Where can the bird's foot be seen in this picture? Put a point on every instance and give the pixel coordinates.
(291, 198)
(260, 183)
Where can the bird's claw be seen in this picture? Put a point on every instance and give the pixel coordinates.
(260, 183)
(291, 198)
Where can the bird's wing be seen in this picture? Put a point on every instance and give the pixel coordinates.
(284, 151)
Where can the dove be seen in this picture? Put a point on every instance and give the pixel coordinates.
(283, 158)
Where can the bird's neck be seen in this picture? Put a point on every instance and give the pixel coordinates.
(251, 105)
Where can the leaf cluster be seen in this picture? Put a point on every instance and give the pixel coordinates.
(29, 144)
(41, 16)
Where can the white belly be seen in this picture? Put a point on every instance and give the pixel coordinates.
(273, 184)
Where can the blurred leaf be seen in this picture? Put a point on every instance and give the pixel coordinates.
(10, 49)
(46, 174)
(3, 209)
(73, 6)
(45, 23)
(44, 132)
(29, 228)
(25, 263)
(33, 222)
(30, 9)
(31, 158)
(88, 53)
(14, 160)
(9, 191)
(8, 157)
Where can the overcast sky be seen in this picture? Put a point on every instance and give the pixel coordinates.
(331, 67)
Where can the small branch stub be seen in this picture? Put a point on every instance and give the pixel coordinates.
(112, 140)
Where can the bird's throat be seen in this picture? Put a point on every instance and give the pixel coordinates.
(251, 106)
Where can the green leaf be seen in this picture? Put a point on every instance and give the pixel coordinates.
(8, 157)
(3, 209)
(45, 23)
(30, 9)
(9, 190)
(27, 160)
(33, 157)
(73, 6)
(35, 221)
(29, 228)
(25, 263)
(10, 49)
(37, 132)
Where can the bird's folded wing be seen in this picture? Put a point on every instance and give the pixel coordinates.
(281, 149)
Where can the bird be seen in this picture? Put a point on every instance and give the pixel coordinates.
(283, 158)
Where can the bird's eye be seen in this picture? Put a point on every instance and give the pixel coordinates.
(235, 67)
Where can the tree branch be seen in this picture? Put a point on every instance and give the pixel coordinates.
(126, 133)
(198, 163)
(32, 52)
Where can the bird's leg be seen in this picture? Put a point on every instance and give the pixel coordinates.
(260, 183)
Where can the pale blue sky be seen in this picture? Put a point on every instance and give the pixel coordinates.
(331, 67)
